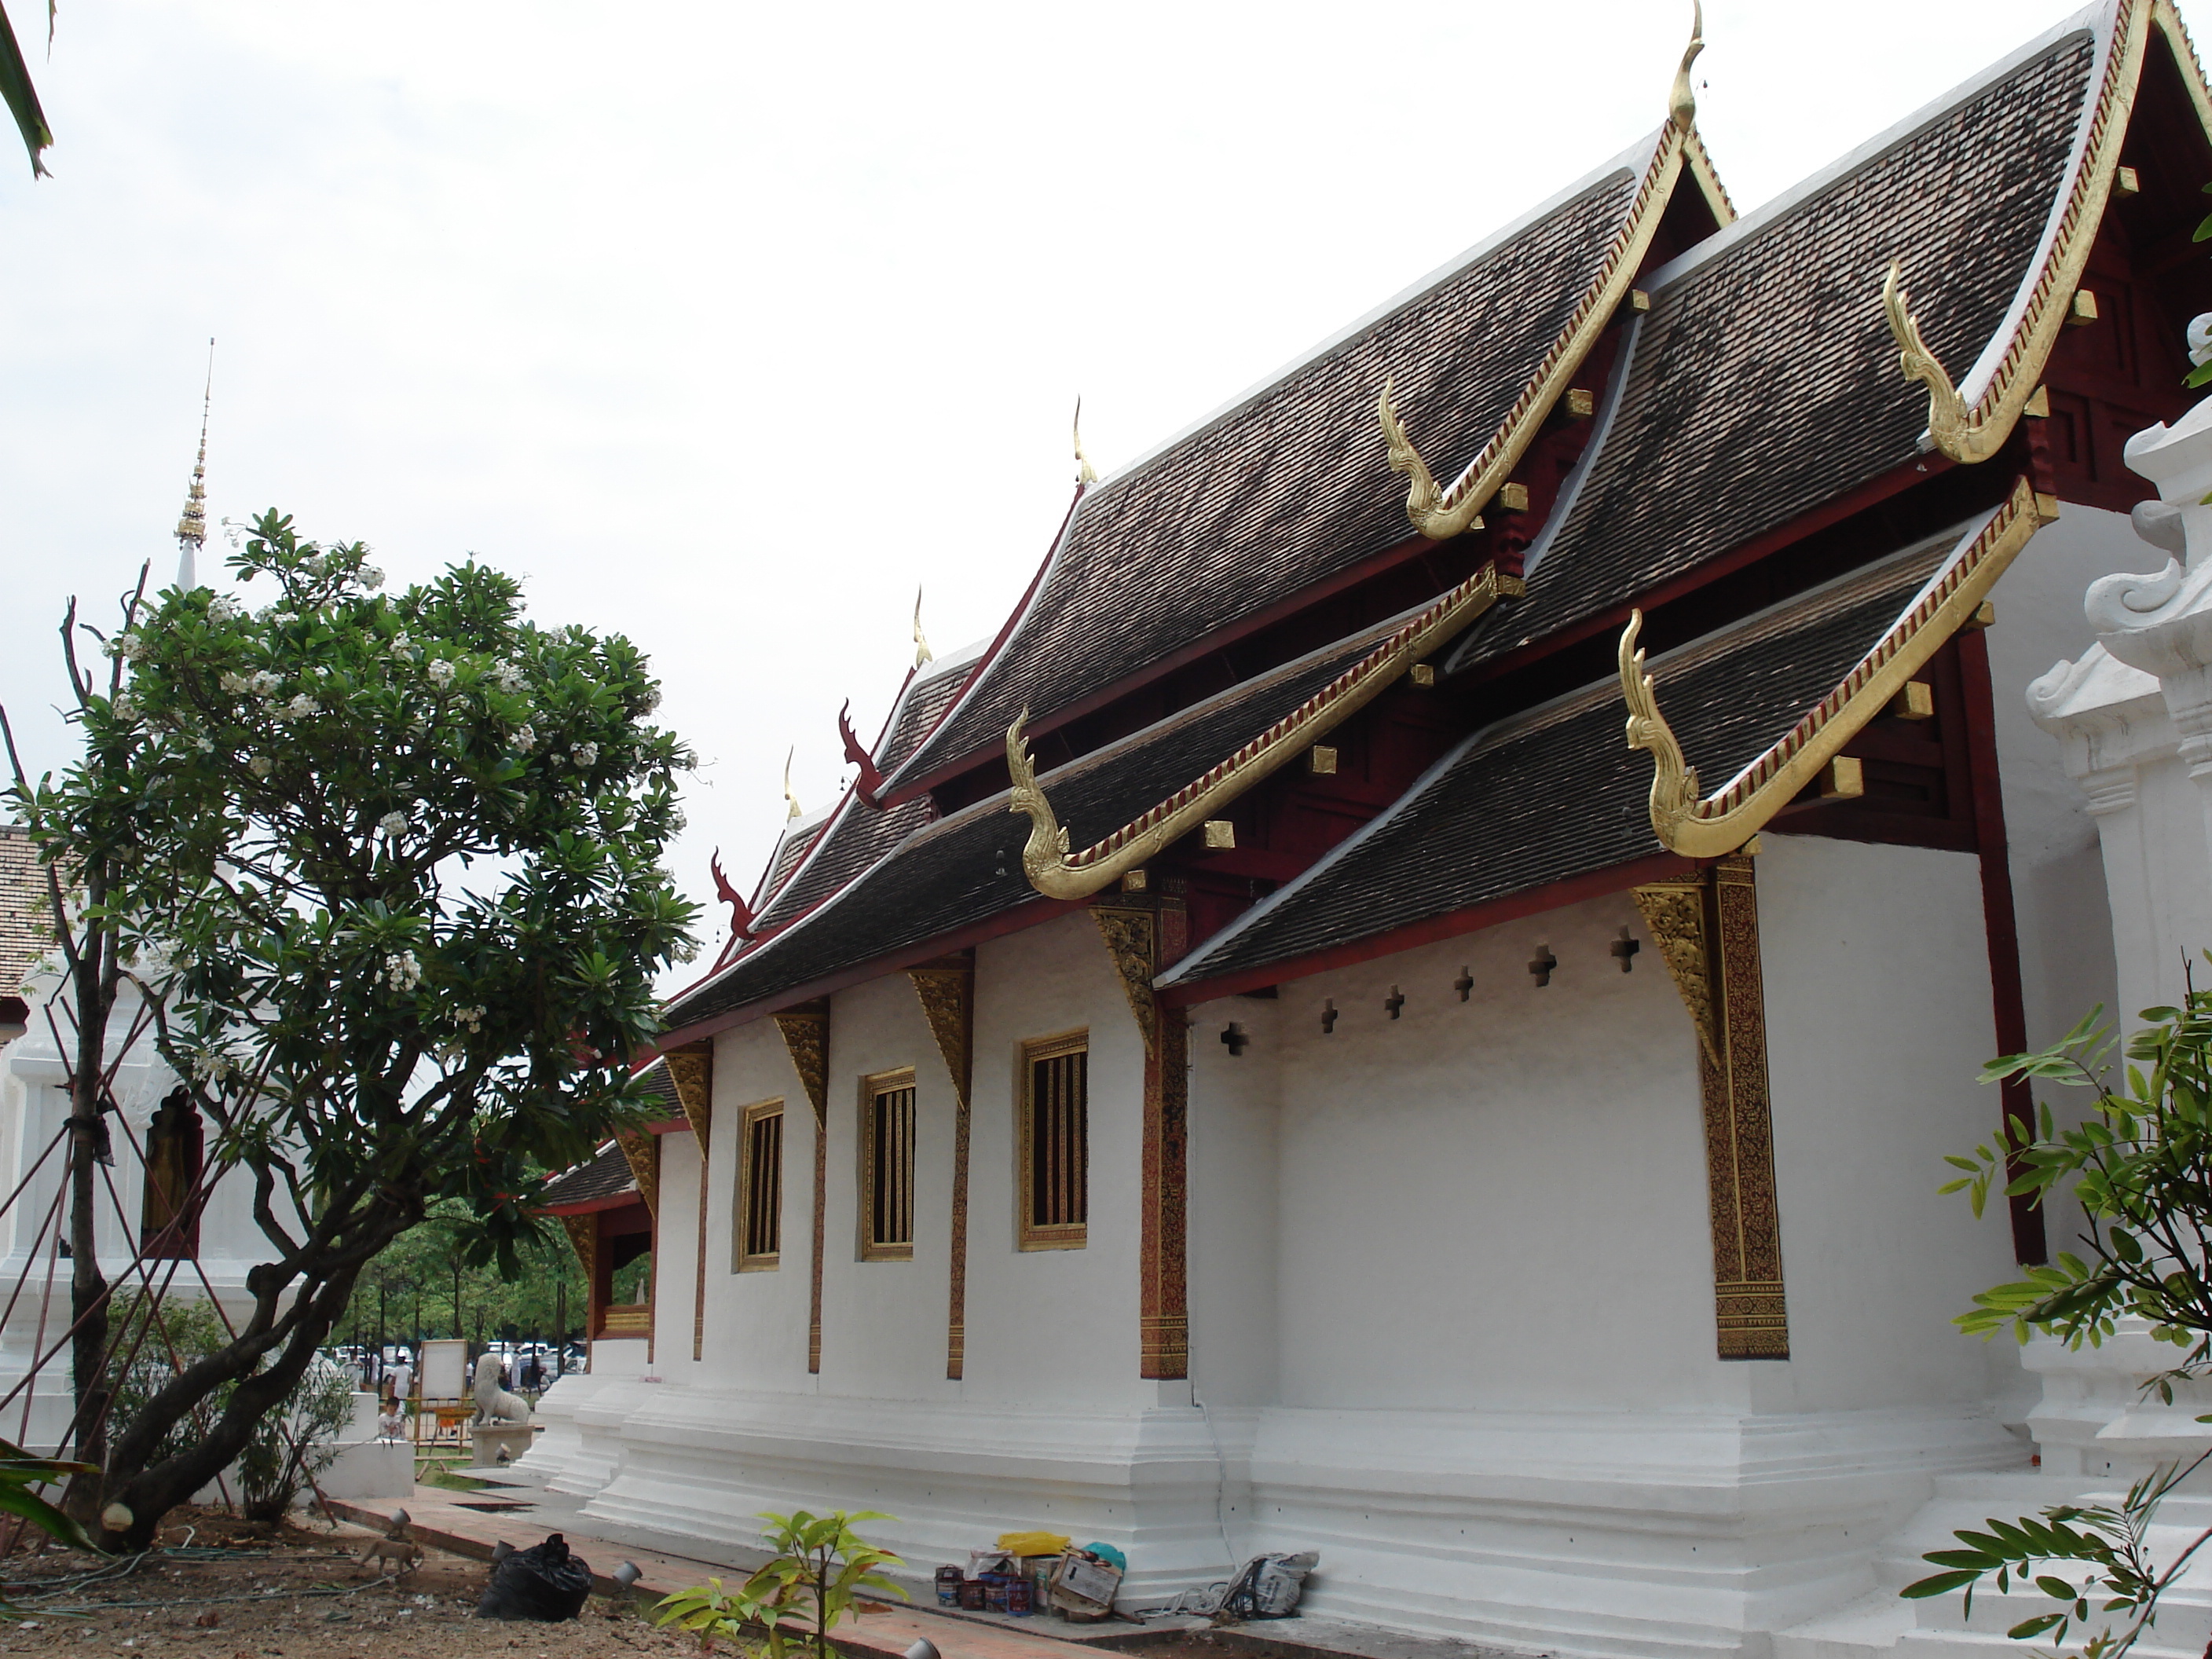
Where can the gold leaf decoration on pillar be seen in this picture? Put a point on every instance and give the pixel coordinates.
(805, 1033)
(947, 994)
(692, 1071)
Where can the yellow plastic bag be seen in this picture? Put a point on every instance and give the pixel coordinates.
(1033, 1543)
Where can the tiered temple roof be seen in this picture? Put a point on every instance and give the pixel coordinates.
(1657, 411)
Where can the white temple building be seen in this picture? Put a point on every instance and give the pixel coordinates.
(1311, 1041)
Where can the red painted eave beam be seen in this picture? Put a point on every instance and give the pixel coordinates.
(1512, 908)
(1022, 916)
(1376, 565)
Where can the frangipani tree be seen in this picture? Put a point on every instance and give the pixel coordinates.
(388, 870)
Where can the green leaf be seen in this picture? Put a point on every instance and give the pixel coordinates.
(1942, 1583)
(2035, 1627)
(21, 97)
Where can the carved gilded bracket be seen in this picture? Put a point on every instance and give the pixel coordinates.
(1056, 873)
(805, 1031)
(947, 989)
(642, 1152)
(1700, 826)
(692, 1071)
(1675, 914)
(1132, 938)
(583, 1232)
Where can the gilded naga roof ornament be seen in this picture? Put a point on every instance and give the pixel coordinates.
(192, 528)
(1952, 427)
(1086, 474)
(1442, 511)
(1698, 826)
(1682, 104)
(790, 799)
(1058, 873)
(922, 654)
(1972, 423)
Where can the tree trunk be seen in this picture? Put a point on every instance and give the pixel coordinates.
(151, 1493)
(95, 997)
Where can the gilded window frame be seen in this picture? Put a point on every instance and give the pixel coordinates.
(1073, 1235)
(742, 1260)
(872, 1086)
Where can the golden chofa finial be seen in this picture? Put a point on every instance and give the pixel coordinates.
(192, 528)
(790, 797)
(1682, 107)
(1086, 474)
(922, 654)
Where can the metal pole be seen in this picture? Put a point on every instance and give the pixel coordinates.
(458, 1332)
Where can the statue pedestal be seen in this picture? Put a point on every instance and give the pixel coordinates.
(494, 1443)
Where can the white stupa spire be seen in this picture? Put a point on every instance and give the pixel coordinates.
(192, 529)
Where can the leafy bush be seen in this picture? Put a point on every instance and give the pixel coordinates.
(820, 1567)
(289, 1450)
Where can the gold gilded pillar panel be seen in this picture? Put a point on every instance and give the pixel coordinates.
(692, 1071)
(1135, 937)
(1706, 926)
(805, 1031)
(946, 990)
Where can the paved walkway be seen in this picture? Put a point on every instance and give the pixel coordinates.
(471, 1523)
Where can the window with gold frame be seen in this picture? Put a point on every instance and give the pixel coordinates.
(1053, 1143)
(757, 1247)
(887, 1114)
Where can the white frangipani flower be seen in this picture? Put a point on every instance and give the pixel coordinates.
(525, 738)
(371, 577)
(301, 707)
(441, 673)
(402, 971)
(126, 705)
(258, 766)
(587, 753)
(222, 608)
(234, 682)
(393, 823)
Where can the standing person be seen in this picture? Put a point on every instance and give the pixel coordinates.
(400, 1378)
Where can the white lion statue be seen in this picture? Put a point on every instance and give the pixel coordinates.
(495, 1402)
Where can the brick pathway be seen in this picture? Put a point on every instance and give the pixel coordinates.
(438, 1517)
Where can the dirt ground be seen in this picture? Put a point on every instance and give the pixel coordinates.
(230, 1593)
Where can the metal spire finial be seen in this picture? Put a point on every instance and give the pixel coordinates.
(1682, 106)
(788, 795)
(922, 654)
(192, 529)
(1084, 472)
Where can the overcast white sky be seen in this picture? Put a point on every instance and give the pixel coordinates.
(726, 325)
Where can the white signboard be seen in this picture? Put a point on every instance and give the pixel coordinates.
(444, 1369)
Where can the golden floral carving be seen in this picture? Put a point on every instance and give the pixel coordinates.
(692, 1071)
(583, 1232)
(642, 1153)
(1675, 914)
(806, 1039)
(1132, 940)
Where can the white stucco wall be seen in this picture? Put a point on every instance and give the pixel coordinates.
(2058, 872)
(1500, 1202)
(756, 1322)
(1878, 1018)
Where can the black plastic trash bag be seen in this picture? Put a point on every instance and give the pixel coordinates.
(544, 1582)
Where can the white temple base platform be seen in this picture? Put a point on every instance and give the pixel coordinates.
(1614, 1534)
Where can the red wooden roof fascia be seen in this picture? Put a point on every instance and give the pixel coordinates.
(1430, 930)
(593, 1205)
(1873, 493)
(1376, 565)
(899, 793)
(1020, 917)
(669, 1126)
